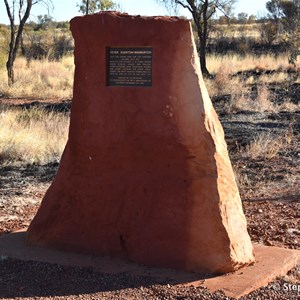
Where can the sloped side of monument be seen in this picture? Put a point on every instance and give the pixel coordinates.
(145, 174)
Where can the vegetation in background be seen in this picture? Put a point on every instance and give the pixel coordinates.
(87, 7)
(51, 44)
(285, 22)
(32, 136)
(17, 7)
(246, 57)
(263, 83)
(241, 34)
(202, 11)
(40, 79)
(3, 46)
(267, 145)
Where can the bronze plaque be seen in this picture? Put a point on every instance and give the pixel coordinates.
(130, 67)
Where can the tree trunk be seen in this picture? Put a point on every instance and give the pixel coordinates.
(23, 50)
(20, 20)
(202, 54)
(10, 60)
(202, 51)
(203, 39)
(10, 73)
(87, 7)
(15, 39)
(201, 21)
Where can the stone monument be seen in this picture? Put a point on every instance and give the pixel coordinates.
(145, 174)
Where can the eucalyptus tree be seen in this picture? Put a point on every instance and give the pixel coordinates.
(18, 9)
(286, 13)
(91, 6)
(202, 11)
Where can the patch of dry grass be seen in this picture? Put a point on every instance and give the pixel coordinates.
(267, 145)
(262, 103)
(239, 92)
(263, 167)
(264, 146)
(274, 78)
(32, 136)
(236, 31)
(240, 103)
(264, 98)
(225, 84)
(289, 106)
(40, 79)
(241, 63)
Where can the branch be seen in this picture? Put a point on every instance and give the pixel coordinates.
(192, 4)
(21, 27)
(20, 9)
(184, 5)
(195, 13)
(46, 3)
(217, 5)
(211, 13)
(221, 9)
(10, 15)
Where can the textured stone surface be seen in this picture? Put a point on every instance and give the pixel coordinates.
(145, 174)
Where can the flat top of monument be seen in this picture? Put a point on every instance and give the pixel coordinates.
(118, 14)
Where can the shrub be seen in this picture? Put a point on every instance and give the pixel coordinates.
(61, 46)
(267, 145)
(52, 45)
(268, 33)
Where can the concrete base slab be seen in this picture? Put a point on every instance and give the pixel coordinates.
(271, 262)
(14, 246)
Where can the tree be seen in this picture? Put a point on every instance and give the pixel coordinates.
(91, 6)
(251, 19)
(242, 17)
(274, 9)
(287, 14)
(202, 11)
(290, 14)
(284, 12)
(16, 31)
(291, 24)
(44, 22)
(268, 32)
(223, 20)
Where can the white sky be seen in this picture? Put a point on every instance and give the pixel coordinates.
(66, 9)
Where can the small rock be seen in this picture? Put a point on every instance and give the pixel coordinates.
(293, 231)
(269, 243)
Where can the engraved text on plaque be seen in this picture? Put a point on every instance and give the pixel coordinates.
(130, 67)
